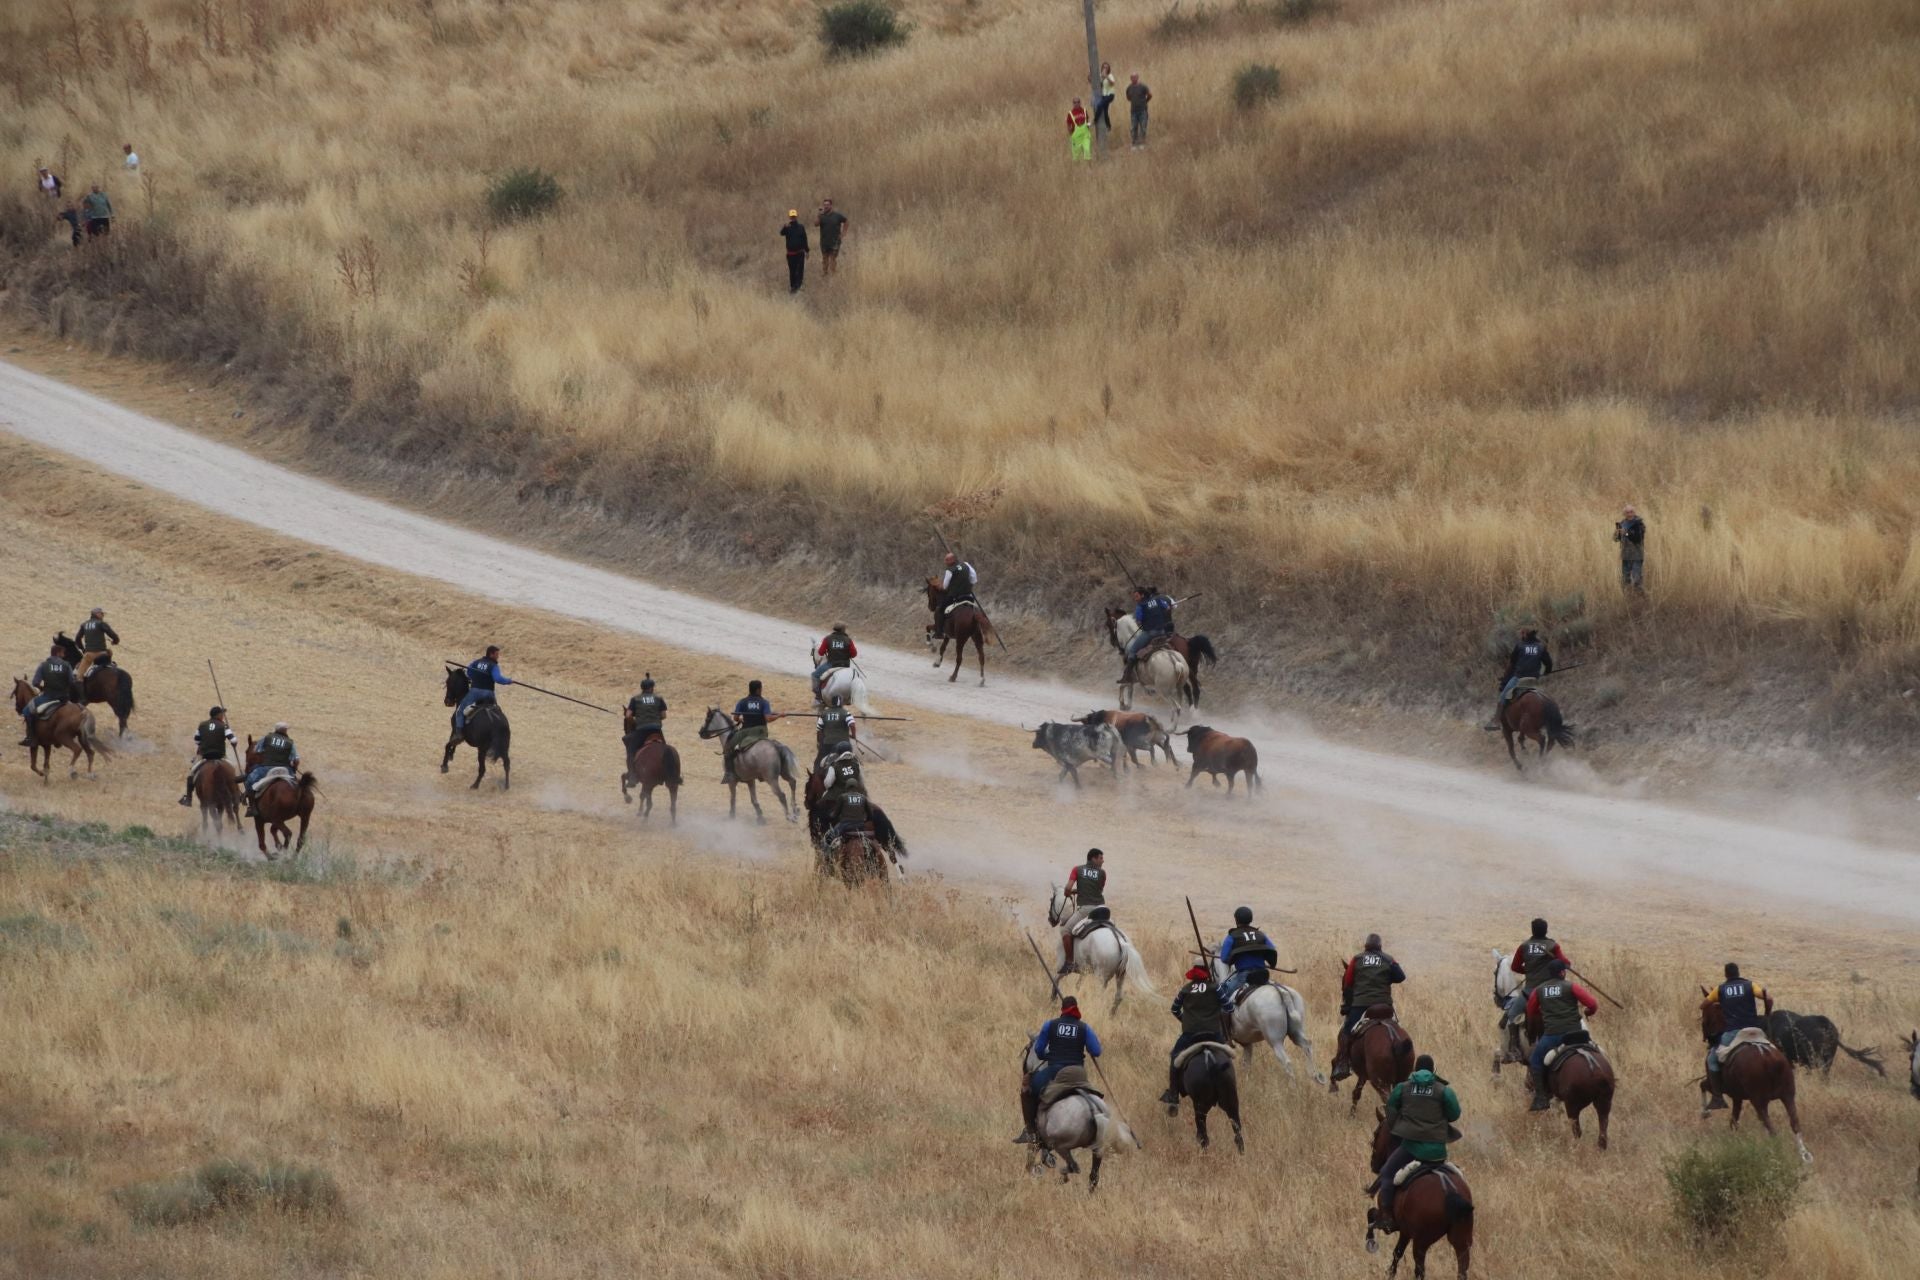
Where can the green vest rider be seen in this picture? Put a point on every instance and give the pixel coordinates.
(1421, 1112)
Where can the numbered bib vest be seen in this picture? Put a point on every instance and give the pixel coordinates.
(1535, 955)
(212, 740)
(1199, 1008)
(1559, 1008)
(276, 751)
(1372, 979)
(1066, 1042)
(839, 650)
(1738, 1005)
(1423, 1112)
(835, 726)
(1090, 886)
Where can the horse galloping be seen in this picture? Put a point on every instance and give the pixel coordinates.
(1427, 1208)
(1757, 1072)
(1104, 953)
(1380, 1054)
(1077, 1122)
(1534, 717)
(966, 621)
(654, 764)
(486, 731)
(857, 857)
(101, 680)
(1193, 650)
(1580, 1077)
(765, 761)
(70, 726)
(217, 787)
(1207, 1080)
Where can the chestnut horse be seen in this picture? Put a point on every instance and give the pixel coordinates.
(71, 727)
(968, 621)
(1534, 717)
(655, 764)
(217, 787)
(856, 857)
(1427, 1209)
(1381, 1055)
(1759, 1074)
(100, 681)
(277, 801)
(1581, 1077)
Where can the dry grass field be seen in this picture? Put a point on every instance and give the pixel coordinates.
(517, 1034)
(1391, 349)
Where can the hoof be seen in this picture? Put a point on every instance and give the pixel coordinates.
(443, 768)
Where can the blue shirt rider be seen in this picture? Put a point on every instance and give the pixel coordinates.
(1154, 614)
(1528, 661)
(482, 675)
(1245, 951)
(1064, 1041)
(1740, 1000)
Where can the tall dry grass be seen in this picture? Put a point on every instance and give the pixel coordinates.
(1412, 333)
(542, 1063)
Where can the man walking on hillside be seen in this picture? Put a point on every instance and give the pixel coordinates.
(797, 249)
(1630, 531)
(98, 211)
(833, 225)
(1138, 96)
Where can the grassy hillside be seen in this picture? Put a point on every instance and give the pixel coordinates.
(1390, 350)
(544, 1064)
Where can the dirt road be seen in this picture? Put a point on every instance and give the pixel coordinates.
(1363, 805)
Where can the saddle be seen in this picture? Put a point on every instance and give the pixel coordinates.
(1567, 1051)
(279, 773)
(1152, 647)
(947, 609)
(1748, 1037)
(1524, 685)
(1377, 1015)
(46, 710)
(1069, 1081)
(1181, 1058)
(1089, 925)
(1411, 1171)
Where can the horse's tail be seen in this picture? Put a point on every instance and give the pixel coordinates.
(1296, 1013)
(1559, 732)
(1458, 1207)
(500, 741)
(1103, 1126)
(90, 733)
(1403, 1048)
(122, 700)
(309, 785)
(987, 634)
(1133, 966)
(1202, 650)
(671, 760)
(789, 766)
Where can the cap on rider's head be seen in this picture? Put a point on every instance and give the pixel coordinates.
(646, 681)
(1373, 942)
(1733, 970)
(1423, 1063)
(1243, 915)
(1539, 927)
(1197, 972)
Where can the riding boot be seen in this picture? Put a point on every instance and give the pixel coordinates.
(1383, 1220)
(1126, 674)
(1718, 1101)
(1542, 1101)
(1172, 1096)
(1030, 1113)
(1066, 952)
(1341, 1067)
(186, 801)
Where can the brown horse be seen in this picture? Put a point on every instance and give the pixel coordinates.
(1581, 1077)
(277, 801)
(100, 680)
(1429, 1208)
(1534, 717)
(1759, 1074)
(968, 621)
(217, 787)
(856, 857)
(71, 727)
(655, 764)
(1381, 1055)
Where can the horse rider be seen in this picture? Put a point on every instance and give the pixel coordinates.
(276, 751)
(849, 810)
(646, 710)
(55, 680)
(1421, 1112)
(94, 636)
(837, 650)
(1245, 951)
(1369, 980)
(1086, 889)
(750, 716)
(1528, 661)
(833, 730)
(483, 673)
(1532, 960)
(1202, 1018)
(1154, 614)
(1558, 1003)
(957, 581)
(1740, 1000)
(1064, 1041)
(210, 743)
(842, 780)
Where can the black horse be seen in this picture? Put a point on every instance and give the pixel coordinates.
(1208, 1081)
(486, 731)
(106, 682)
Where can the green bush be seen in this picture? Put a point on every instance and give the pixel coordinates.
(1733, 1186)
(522, 193)
(1255, 83)
(854, 28)
(229, 1186)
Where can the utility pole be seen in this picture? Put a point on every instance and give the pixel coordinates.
(1093, 74)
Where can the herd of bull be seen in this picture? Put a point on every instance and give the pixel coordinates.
(1112, 738)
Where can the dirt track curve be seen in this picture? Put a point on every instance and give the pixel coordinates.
(1360, 805)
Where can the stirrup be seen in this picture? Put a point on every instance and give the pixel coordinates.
(186, 801)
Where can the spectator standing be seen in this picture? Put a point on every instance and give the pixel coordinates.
(71, 216)
(132, 163)
(99, 212)
(1103, 104)
(1138, 96)
(833, 225)
(1079, 132)
(49, 183)
(797, 249)
(1630, 531)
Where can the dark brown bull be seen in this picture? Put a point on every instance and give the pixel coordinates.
(1138, 732)
(1215, 753)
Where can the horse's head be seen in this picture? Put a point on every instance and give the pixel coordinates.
(1113, 625)
(1383, 1140)
(933, 595)
(253, 755)
(22, 694)
(1505, 980)
(1056, 905)
(715, 724)
(456, 686)
(1713, 1019)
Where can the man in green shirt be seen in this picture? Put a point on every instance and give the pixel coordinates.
(1421, 1112)
(98, 211)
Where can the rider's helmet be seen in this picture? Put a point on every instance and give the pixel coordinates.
(1243, 916)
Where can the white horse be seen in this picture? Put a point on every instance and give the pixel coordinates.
(1164, 674)
(1105, 953)
(1513, 1045)
(849, 683)
(1078, 1122)
(1275, 1013)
